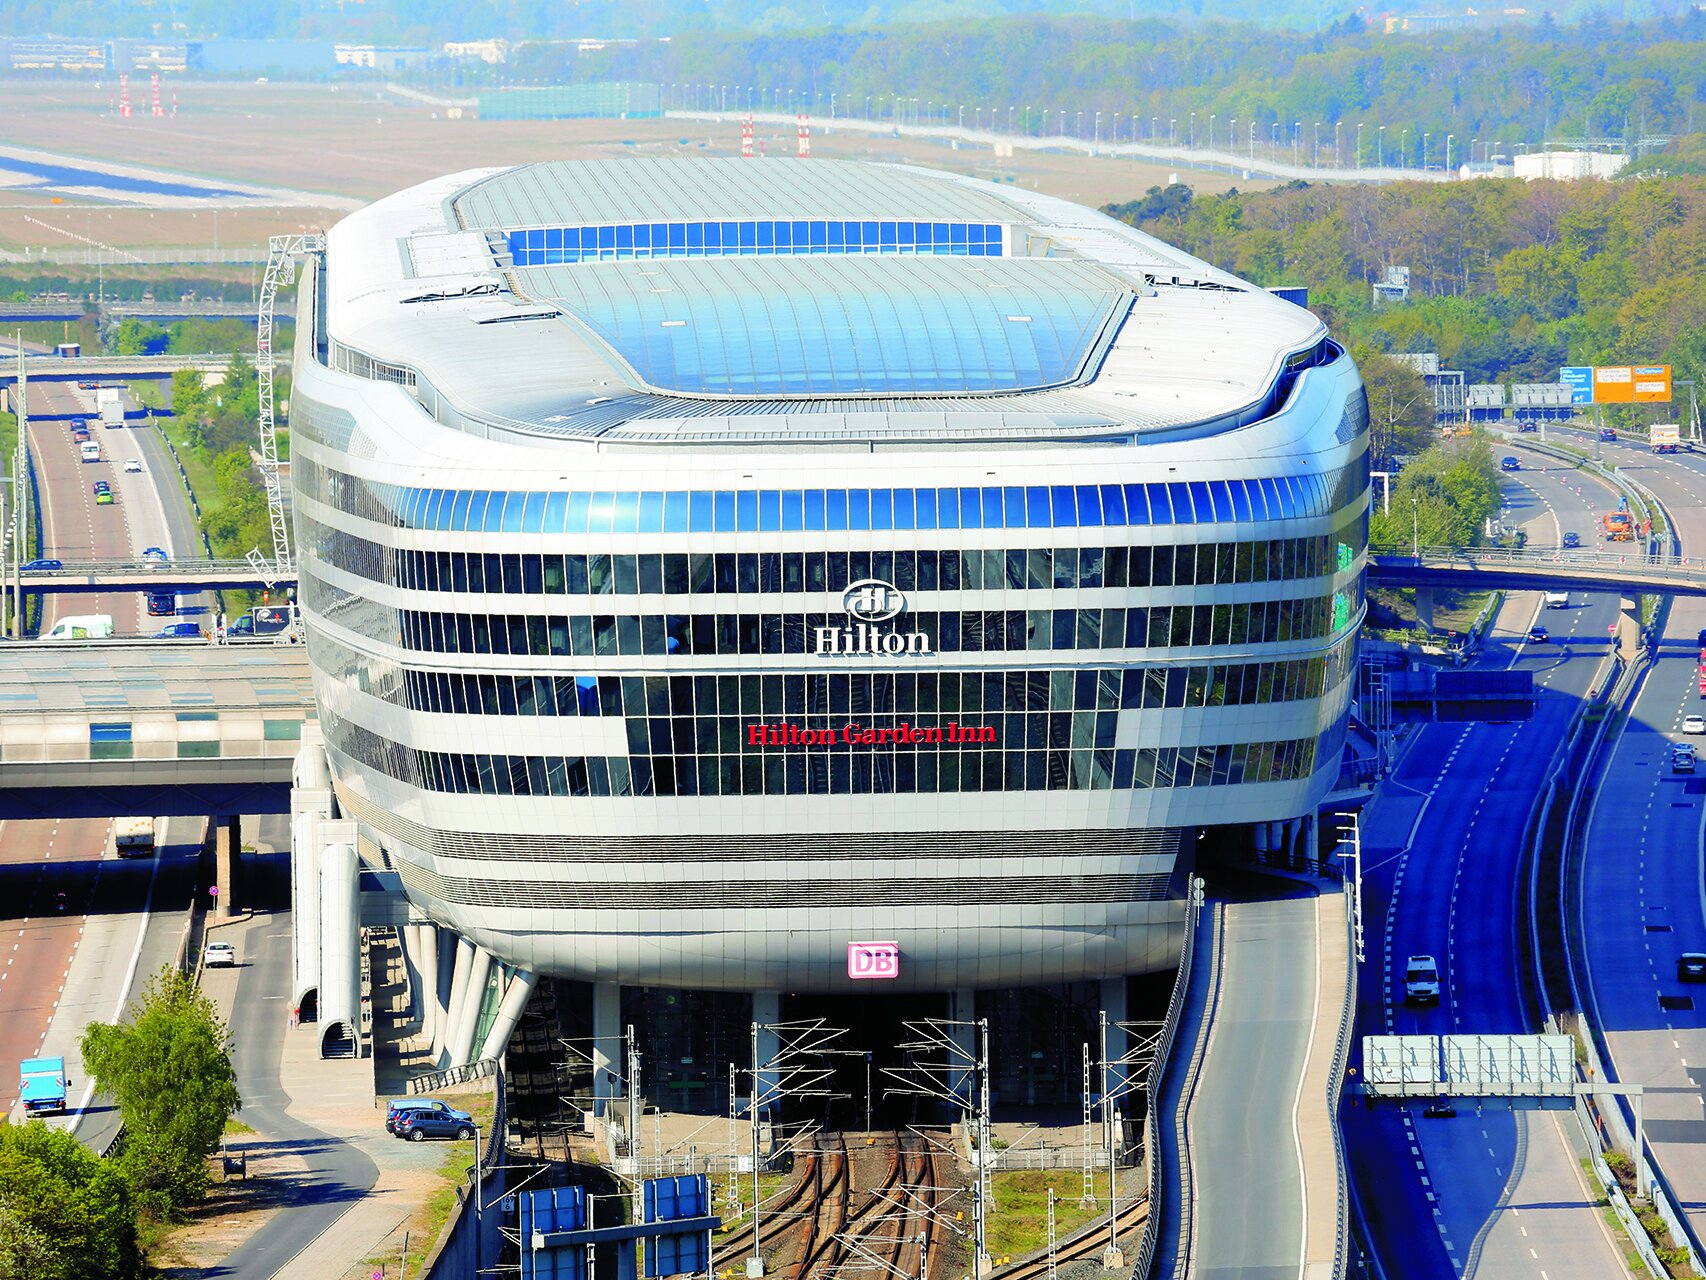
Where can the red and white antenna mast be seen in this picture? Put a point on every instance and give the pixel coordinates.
(124, 97)
(804, 122)
(746, 136)
(154, 84)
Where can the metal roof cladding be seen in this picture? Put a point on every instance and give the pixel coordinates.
(870, 325)
(561, 192)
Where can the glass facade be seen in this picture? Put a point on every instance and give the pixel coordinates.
(762, 237)
(831, 510)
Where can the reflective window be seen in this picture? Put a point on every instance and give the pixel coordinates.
(553, 246)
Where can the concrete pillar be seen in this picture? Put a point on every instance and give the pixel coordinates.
(340, 941)
(962, 1014)
(428, 995)
(509, 1013)
(1628, 627)
(460, 1043)
(305, 901)
(607, 1064)
(410, 937)
(463, 961)
(767, 1012)
(1425, 608)
(227, 856)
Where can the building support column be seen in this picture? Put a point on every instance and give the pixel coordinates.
(305, 900)
(607, 1055)
(1629, 627)
(430, 989)
(464, 960)
(410, 936)
(509, 1013)
(466, 1020)
(227, 855)
(1425, 608)
(340, 942)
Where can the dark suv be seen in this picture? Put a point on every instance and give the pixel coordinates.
(429, 1118)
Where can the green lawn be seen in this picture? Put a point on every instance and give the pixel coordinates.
(1018, 1224)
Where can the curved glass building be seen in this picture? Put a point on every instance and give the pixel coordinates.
(769, 575)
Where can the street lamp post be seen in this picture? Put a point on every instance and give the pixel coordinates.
(1415, 527)
(1449, 139)
(1403, 142)
(1296, 138)
(1382, 146)
(1356, 160)
(1154, 128)
(1193, 131)
(1096, 138)
(1425, 139)
(1173, 132)
(1211, 119)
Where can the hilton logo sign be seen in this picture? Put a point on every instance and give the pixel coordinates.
(867, 603)
(873, 959)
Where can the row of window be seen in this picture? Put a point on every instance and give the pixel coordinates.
(967, 631)
(795, 770)
(863, 693)
(814, 510)
(545, 246)
(748, 572)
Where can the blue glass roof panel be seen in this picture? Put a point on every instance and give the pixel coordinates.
(828, 326)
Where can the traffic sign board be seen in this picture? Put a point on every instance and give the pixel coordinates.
(213, 891)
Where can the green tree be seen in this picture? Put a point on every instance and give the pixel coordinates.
(169, 1068)
(65, 1214)
(1400, 407)
(134, 338)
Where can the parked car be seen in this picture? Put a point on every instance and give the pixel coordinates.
(48, 565)
(437, 1121)
(180, 631)
(1421, 981)
(219, 955)
(398, 1106)
(1572, 539)
(1539, 635)
(1691, 966)
(133, 466)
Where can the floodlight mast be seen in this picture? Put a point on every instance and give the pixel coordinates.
(282, 252)
(1142, 1044)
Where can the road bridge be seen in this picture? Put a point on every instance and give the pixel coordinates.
(1630, 573)
(160, 727)
(94, 576)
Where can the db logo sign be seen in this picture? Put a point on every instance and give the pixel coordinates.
(873, 959)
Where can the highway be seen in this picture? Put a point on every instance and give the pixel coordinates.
(1642, 900)
(1496, 1193)
(70, 954)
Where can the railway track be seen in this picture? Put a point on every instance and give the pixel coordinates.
(778, 1215)
(1087, 1242)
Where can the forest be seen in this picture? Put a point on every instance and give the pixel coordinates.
(1509, 280)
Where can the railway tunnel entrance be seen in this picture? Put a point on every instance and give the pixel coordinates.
(875, 1031)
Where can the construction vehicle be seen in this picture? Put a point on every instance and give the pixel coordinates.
(1619, 526)
(1664, 437)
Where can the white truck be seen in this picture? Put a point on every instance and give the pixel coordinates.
(133, 837)
(1664, 437)
(111, 406)
(88, 626)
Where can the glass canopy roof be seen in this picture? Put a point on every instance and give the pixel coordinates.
(809, 326)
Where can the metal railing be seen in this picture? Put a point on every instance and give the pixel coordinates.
(1684, 568)
(435, 1080)
(71, 569)
(1336, 1089)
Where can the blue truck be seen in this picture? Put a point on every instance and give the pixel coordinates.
(42, 1086)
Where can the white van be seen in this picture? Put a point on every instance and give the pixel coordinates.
(1557, 599)
(89, 626)
(91, 451)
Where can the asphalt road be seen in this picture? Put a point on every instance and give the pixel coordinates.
(1642, 897)
(1493, 1193)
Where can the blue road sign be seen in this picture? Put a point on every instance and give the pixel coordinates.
(1579, 379)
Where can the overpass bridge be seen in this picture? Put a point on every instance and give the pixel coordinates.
(91, 368)
(1629, 573)
(158, 727)
(91, 576)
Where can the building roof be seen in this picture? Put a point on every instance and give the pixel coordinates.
(785, 301)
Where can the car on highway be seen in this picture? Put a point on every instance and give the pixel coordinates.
(1691, 966)
(1694, 724)
(439, 1120)
(1509, 463)
(48, 565)
(1539, 635)
(133, 466)
(1526, 425)
(78, 424)
(180, 631)
(162, 604)
(1572, 540)
(1421, 980)
(102, 486)
(103, 497)
(1682, 759)
(219, 955)
(156, 556)
(87, 386)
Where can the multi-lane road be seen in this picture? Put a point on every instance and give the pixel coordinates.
(1642, 899)
(72, 909)
(1496, 1192)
